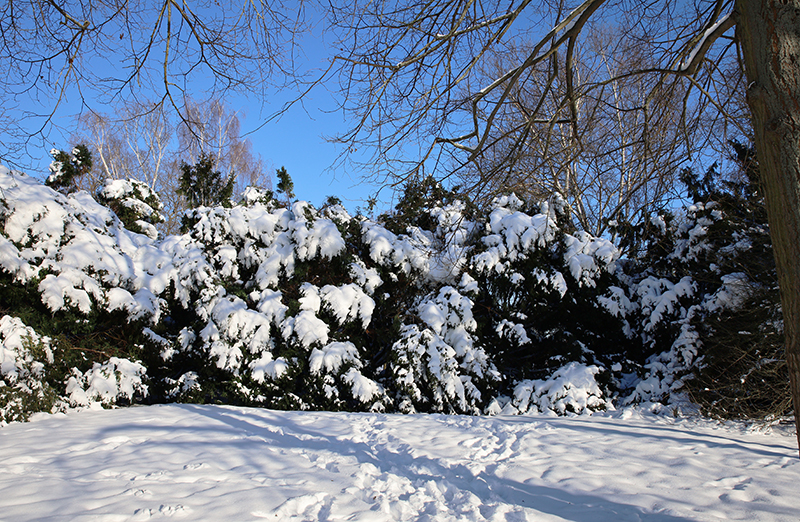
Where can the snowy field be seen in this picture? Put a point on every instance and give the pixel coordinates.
(215, 463)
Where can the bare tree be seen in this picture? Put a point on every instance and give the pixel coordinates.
(770, 43)
(110, 154)
(410, 71)
(211, 128)
(412, 75)
(423, 72)
(54, 52)
(605, 166)
(137, 144)
(149, 146)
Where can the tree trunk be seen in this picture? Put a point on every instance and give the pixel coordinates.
(769, 35)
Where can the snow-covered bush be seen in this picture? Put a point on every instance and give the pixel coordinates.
(706, 303)
(546, 296)
(136, 205)
(66, 166)
(428, 236)
(24, 357)
(254, 325)
(437, 364)
(74, 251)
(572, 389)
(436, 307)
(113, 382)
(34, 370)
(72, 271)
(743, 372)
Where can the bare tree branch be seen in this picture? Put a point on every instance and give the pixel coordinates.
(85, 54)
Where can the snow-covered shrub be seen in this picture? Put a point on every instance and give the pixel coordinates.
(743, 373)
(75, 250)
(66, 166)
(253, 195)
(337, 367)
(572, 389)
(24, 358)
(437, 307)
(136, 205)
(546, 296)
(39, 374)
(71, 271)
(706, 304)
(258, 325)
(437, 364)
(428, 236)
(117, 381)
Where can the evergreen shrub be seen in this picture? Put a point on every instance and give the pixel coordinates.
(438, 306)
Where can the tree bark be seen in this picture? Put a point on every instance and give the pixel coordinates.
(769, 34)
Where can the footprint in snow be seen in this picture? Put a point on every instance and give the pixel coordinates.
(161, 511)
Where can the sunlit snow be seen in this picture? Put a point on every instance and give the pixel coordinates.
(216, 463)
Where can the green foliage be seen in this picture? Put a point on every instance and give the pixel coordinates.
(203, 186)
(744, 372)
(285, 185)
(68, 166)
(298, 308)
(539, 321)
(138, 207)
(419, 198)
(31, 390)
(331, 201)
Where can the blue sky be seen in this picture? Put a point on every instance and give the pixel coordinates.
(296, 140)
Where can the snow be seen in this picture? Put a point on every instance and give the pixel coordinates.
(366, 277)
(104, 383)
(572, 388)
(687, 62)
(660, 296)
(309, 328)
(734, 291)
(14, 354)
(267, 367)
(363, 388)
(332, 356)
(348, 302)
(212, 463)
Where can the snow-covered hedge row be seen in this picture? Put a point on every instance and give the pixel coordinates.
(258, 304)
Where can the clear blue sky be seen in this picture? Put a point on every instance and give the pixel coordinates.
(297, 141)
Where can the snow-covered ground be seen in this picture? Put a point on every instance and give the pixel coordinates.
(217, 463)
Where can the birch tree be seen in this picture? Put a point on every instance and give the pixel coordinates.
(599, 101)
(605, 167)
(150, 146)
(211, 128)
(412, 78)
